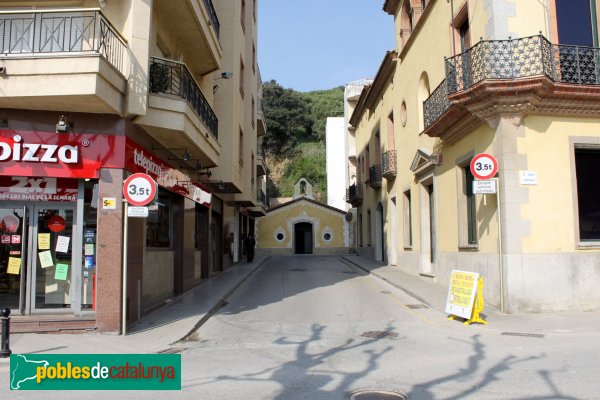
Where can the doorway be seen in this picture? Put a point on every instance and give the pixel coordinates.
(303, 238)
(379, 234)
(428, 233)
(38, 246)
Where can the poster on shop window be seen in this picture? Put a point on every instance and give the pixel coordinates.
(62, 244)
(43, 241)
(14, 266)
(46, 259)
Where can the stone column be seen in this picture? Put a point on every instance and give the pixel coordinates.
(109, 255)
(512, 196)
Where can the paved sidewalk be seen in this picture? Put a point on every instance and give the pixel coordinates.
(158, 331)
(434, 296)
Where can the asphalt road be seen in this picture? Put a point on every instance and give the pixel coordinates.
(312, 328)
(307, 327)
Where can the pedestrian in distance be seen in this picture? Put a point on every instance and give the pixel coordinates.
(250, 243)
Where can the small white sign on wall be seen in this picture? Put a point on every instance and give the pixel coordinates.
(485, 187)
(528, 177)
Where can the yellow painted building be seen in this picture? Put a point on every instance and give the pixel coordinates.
(510, 78)
(303, 226)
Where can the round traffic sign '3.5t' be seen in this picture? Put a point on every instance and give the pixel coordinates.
(484, 166)
(140, 190)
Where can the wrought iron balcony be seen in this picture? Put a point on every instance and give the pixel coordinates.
(174, 78)
(436, 104)
(61, 32)
(388, 164)
(354, 195)
(375, 176)
(212, 16)
(513, 59)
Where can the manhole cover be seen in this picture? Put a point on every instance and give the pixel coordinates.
(376, 395)
(380, 335)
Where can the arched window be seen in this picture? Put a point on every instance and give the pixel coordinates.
(422, 95)
(303, 188)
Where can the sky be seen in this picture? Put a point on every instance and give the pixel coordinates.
(320, 44)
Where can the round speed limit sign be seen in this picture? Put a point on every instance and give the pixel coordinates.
(484, 166)
(139, 190)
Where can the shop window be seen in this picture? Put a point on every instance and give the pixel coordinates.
(158, 228)
(407, 220)
(90, 222)
(587, 161)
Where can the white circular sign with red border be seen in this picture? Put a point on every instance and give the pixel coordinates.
(484, 166)
(140, 190)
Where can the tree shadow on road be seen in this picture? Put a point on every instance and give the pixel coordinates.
(306, 377)
(425, 390)
(309, 381)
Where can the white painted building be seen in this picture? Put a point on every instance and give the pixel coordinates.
(336, 163)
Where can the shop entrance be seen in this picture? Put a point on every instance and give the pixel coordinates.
(37, 244)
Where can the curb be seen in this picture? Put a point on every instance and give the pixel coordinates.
(397, 286)
(222, 302)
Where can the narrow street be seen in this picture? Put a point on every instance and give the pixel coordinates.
(308, 327)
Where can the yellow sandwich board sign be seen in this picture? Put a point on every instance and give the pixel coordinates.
(465, 297)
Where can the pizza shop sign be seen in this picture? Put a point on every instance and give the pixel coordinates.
(38, 152)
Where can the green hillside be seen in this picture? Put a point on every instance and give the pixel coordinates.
(295, 140)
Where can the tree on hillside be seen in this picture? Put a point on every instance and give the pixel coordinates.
(286, 114)
(323, 104)
(310, 166)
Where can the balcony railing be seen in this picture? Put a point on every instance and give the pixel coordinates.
(513, 59)
(260, 151)
(436, 104)
(388, 164)
(354, 195)
(212, 16)
(375, 176)
(61, 32)
(174, 78)
(261, 197)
